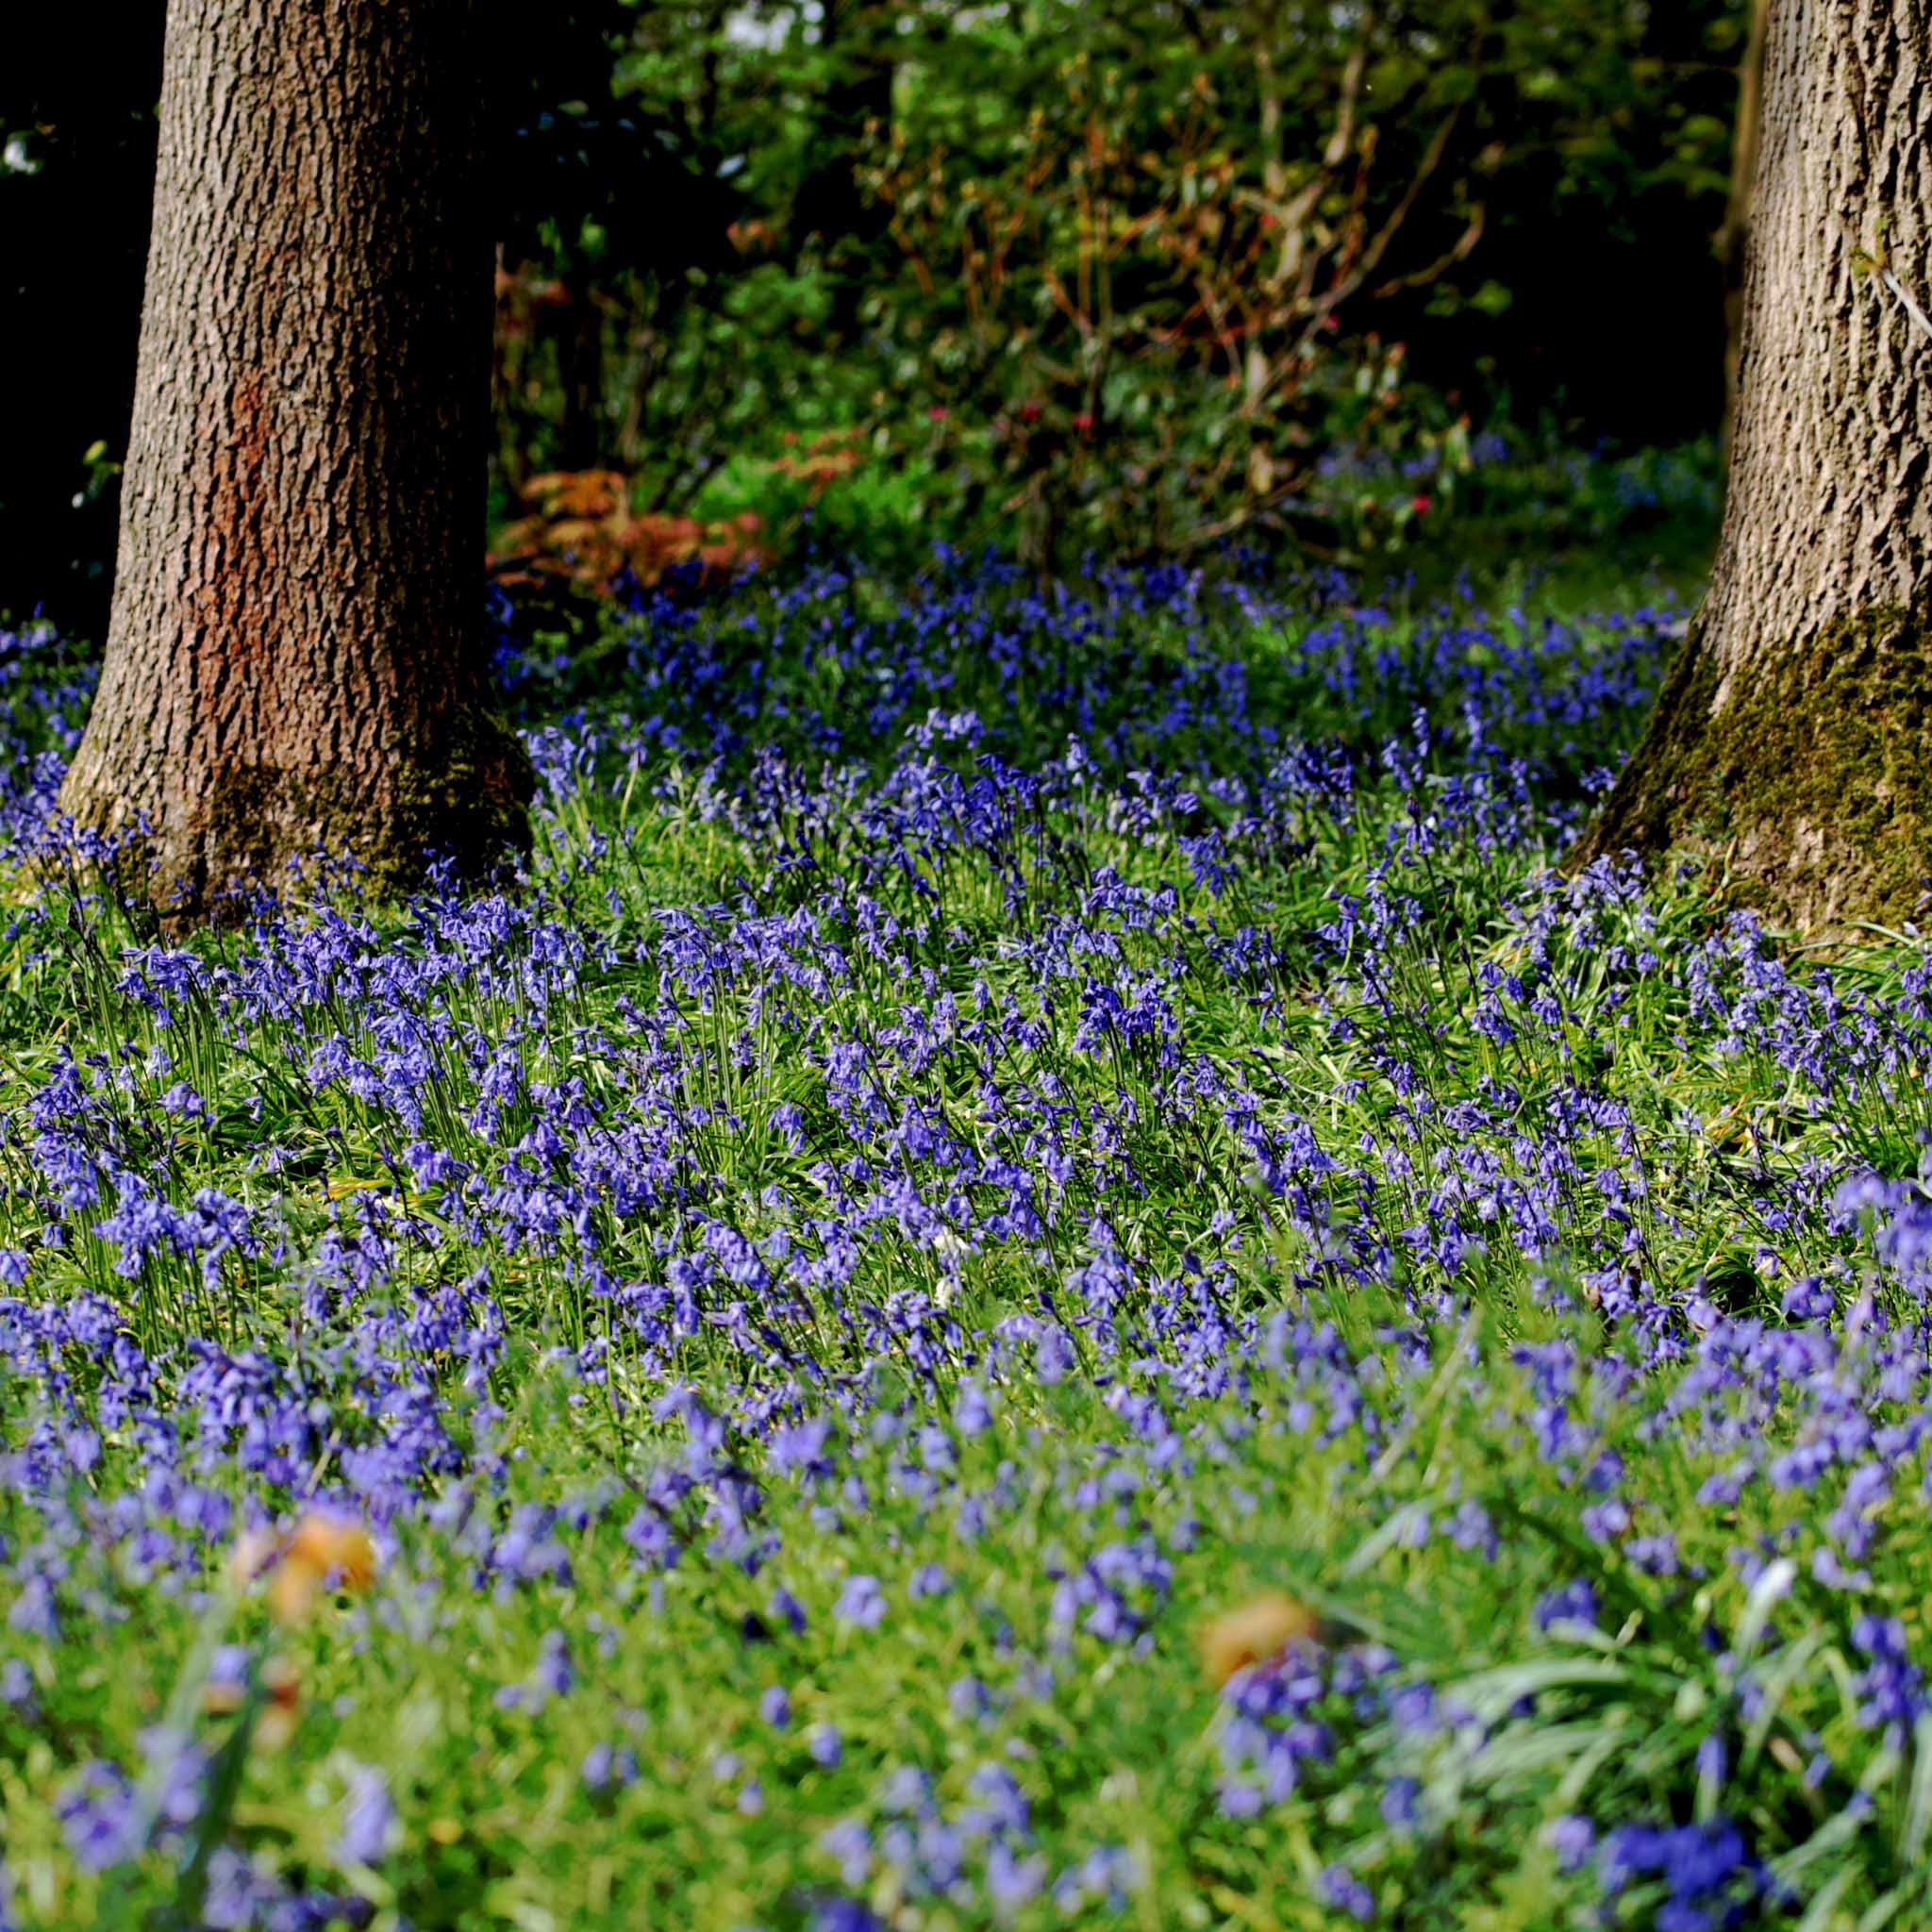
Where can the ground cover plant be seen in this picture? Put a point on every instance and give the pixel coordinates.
(1047, 1273)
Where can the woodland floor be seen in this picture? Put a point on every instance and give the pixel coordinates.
(1045, 1277)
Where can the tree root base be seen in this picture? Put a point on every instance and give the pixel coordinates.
(1812, 783)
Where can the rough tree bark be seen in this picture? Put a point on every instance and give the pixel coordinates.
(1793, 738)
(294, 662)
(1732, 237)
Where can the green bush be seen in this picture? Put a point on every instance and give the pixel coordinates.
(1122, 275)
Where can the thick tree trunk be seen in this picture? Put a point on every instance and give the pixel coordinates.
(294, 662)
(1794, 735)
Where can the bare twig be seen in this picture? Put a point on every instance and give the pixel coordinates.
(1904, 295)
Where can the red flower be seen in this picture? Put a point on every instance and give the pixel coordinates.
(1421, 505)
(939, 413)
(1084, 422)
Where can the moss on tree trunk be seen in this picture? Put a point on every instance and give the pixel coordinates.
(1813, 782)
(1793, 738)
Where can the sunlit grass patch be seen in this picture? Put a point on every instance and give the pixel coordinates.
(1001, 1132)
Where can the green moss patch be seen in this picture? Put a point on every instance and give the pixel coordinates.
(1813, 782)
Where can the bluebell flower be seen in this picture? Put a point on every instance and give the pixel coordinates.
(861, 1603)
(1342, 1890)
(369, 1820)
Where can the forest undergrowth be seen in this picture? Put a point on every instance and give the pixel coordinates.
(1048, 1273)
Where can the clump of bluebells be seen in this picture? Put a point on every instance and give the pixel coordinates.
(1001, 1125)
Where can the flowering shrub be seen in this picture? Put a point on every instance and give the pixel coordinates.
(1130, 303)
(1043, 1275)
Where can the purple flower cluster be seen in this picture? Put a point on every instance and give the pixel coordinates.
(989, 1101)
(1702, 1874)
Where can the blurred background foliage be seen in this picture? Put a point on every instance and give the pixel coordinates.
(1134, 276)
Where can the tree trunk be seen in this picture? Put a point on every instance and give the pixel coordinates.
(581, 442)
(857, 38)
(1746, 128)
(294, 664)
(1794, 735)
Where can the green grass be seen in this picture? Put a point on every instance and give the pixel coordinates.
(1266, 1384)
